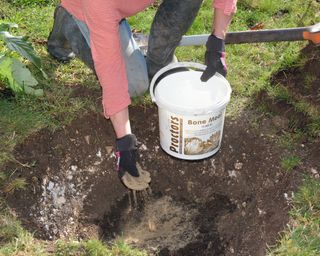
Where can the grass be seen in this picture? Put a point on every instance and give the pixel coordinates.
(96, 248)
(302, 238)
(250, 69)
(290, 140)
(14, 240)
(288, 163)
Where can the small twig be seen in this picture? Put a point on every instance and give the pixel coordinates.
(27, 165)
(12, 174)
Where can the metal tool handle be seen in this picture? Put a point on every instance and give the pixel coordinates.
(311, 33)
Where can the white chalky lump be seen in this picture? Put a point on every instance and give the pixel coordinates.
(63, 197)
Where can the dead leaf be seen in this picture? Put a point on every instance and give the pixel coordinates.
(257, 26)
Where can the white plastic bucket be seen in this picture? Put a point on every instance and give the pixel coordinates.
(191, 112)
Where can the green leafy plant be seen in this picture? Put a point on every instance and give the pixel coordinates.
(14, 73)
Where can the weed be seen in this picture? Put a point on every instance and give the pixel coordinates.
(314, 127)
(290, 140)
(3, 177)
(9, 185)
(120, 248)
(290, 162)
(96, 248)
(72, 248)
(14, 185)
(144, 101)
(280, 93)
(309, 80)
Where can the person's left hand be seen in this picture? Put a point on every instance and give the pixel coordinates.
(215, 58)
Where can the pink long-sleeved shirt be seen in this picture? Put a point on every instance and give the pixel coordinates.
(102, 18)
(229, 6)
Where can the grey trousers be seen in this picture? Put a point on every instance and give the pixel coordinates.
(172, 20)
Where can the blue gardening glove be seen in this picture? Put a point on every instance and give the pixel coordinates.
(214, 58)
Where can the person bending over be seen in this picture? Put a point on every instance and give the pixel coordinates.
(96, 32)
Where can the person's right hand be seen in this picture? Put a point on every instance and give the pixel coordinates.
(215, 58)
(127, 155)
(129, 171)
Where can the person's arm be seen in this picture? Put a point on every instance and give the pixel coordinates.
(103, 23)
(215, 46)
(221, 22)
(102, 20)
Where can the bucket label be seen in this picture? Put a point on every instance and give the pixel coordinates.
(191, 136)
(202, 134)
(176, 134)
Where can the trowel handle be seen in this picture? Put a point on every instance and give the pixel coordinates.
(170, 67)
(311, 33)
(257, 36)
(276, 35)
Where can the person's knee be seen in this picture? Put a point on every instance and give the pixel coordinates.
(58, 45)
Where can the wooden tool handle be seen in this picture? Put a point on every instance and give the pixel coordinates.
(271, 35)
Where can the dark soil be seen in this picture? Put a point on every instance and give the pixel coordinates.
(302, 83)
(234, 203)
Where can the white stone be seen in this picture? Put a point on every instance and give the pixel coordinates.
(232, 174)
(60, 200)
(74, 167)
(99, 153)
(143, 147)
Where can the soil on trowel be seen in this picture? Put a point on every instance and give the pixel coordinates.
(234, 203)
